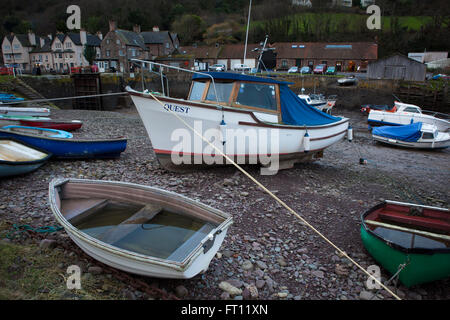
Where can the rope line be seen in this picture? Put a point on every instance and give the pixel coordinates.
(343, 253)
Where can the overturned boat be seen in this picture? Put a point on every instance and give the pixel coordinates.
(18, 158)
(139, 229)
(409, 239)
(253, 120)
(416, 135)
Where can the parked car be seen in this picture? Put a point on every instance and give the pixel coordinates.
(293, 69)
(320, 69)
(305, 70)
(241, 67)
(331, 70)
(217, 67)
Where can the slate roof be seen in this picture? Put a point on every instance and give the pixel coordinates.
(131, 38)
(92, 40)
(327, 50)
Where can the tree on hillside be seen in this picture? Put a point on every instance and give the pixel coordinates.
(89, 53)
(189, 28)
(226, 32)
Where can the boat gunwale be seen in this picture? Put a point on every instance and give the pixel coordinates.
(32, 162)
(258, 122)
(394, 245)
(180, 266)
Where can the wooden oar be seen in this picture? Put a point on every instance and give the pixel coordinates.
(424, 233)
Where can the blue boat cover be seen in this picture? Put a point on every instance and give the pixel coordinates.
(294, 111)
(407, 133)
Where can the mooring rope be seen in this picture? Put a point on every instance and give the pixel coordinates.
(343, 253)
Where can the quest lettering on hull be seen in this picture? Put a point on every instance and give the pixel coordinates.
(175, 108)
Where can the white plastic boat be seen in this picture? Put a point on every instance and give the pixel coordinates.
(139, 229)
(254, 120)
(404, 113)
(417, 135)
(19, 111)
(318, 101)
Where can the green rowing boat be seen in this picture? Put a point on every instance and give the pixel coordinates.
(410, 237)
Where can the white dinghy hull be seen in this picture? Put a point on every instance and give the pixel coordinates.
(191, 262)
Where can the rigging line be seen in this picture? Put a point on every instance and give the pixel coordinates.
(66, 98)
(343, 253)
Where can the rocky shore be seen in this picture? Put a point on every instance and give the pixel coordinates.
(268, 253)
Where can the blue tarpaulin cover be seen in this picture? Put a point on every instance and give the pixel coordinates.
(294, 111)
(408, 133)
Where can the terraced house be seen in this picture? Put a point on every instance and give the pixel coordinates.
(16, 50)
(118, 47)
(58, 53)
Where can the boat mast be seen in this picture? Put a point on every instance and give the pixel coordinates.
(246, 35)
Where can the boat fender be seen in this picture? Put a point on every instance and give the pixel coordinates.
(350, 134)
(223, 128)
(306, 142)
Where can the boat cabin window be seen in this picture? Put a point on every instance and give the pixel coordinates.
(428, 135)
(410, 109)
(223, 90)
(257, 95)
(197, 90)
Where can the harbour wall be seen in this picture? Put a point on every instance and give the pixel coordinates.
(367, 91)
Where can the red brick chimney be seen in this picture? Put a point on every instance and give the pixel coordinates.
(112, 25)
(137, 28)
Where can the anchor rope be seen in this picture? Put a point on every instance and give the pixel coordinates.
(343, 253)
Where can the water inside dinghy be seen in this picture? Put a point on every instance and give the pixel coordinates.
(146, 229)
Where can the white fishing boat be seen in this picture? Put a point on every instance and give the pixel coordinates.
(139, 229)
(318, 101)
(416, 135)
(404, 113)
(272, 126)
(24, 111)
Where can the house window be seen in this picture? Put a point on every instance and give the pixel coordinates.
(108, 41)
(7, 47)
(108, 53)
(324, 62)
(68, 45)
(121, 53)
(167, 45)
(284, 63)
(16, 46)
(117, 41)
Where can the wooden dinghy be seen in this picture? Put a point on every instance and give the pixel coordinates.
(397, 233)
(19, 158)
(139, 229)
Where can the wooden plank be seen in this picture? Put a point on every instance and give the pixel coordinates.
(419, 232)
(416, 221)
(77, 209)
(131, 224)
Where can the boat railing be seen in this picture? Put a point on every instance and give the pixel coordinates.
(436, 114)
(143, 63)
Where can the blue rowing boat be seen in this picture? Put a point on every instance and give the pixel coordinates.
(46, 132)
(18, 158)
(70, 148)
